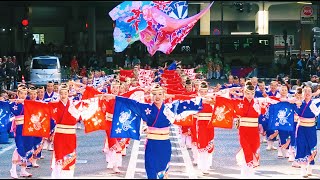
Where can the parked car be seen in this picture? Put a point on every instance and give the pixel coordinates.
(44, 69)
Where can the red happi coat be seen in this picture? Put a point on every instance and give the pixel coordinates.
(249, 136)
(200, 130)
(65, 144)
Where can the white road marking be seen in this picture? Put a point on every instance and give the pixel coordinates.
(187, 161)
(133, 160)
(132, 169)
(7, 148)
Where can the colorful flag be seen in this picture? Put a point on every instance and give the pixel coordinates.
(190, 73)
(163, 33)
(188, 121)
(92, 115)
(90, 92)
(145, 77)
(136, 94)
(129, 19)
(36, 119)
(126, 121)
(184, 108)
(281, 116)
(4, 115)
(126, 73)
(223, 113)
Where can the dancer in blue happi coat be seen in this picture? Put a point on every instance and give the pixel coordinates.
(159, 116)
(24, 144)
(284, 135)
(272, 134)
(306, 141)
(292, 147)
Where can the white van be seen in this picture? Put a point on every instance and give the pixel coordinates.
(44, 69)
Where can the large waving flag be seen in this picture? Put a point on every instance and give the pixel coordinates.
(36, 119)
(130, 21)
(163, 33)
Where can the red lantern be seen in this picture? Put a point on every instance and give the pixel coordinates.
(25, 22)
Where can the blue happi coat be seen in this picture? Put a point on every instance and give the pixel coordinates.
(306, 141)
(24, 143)
(157, 152)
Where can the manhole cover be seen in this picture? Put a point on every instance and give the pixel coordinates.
(81, 161)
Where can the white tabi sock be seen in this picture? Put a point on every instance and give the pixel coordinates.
(195, 154)
(303, 171)
(309, 170)
(118, 159)
(280, 153)
(188, 142)
(67, 174)
(183, 140)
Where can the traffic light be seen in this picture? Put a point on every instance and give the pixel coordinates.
(25, 26)
(25, 22)
(25, 30)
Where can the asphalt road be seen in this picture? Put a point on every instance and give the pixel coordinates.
(91, 160)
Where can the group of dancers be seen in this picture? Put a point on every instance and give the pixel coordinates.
(250, 101)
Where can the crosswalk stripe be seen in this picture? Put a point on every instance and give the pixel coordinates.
(133, 160)
(189, 166)
(185, 168)
(7, 148)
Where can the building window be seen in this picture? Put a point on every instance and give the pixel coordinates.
(39, 38)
